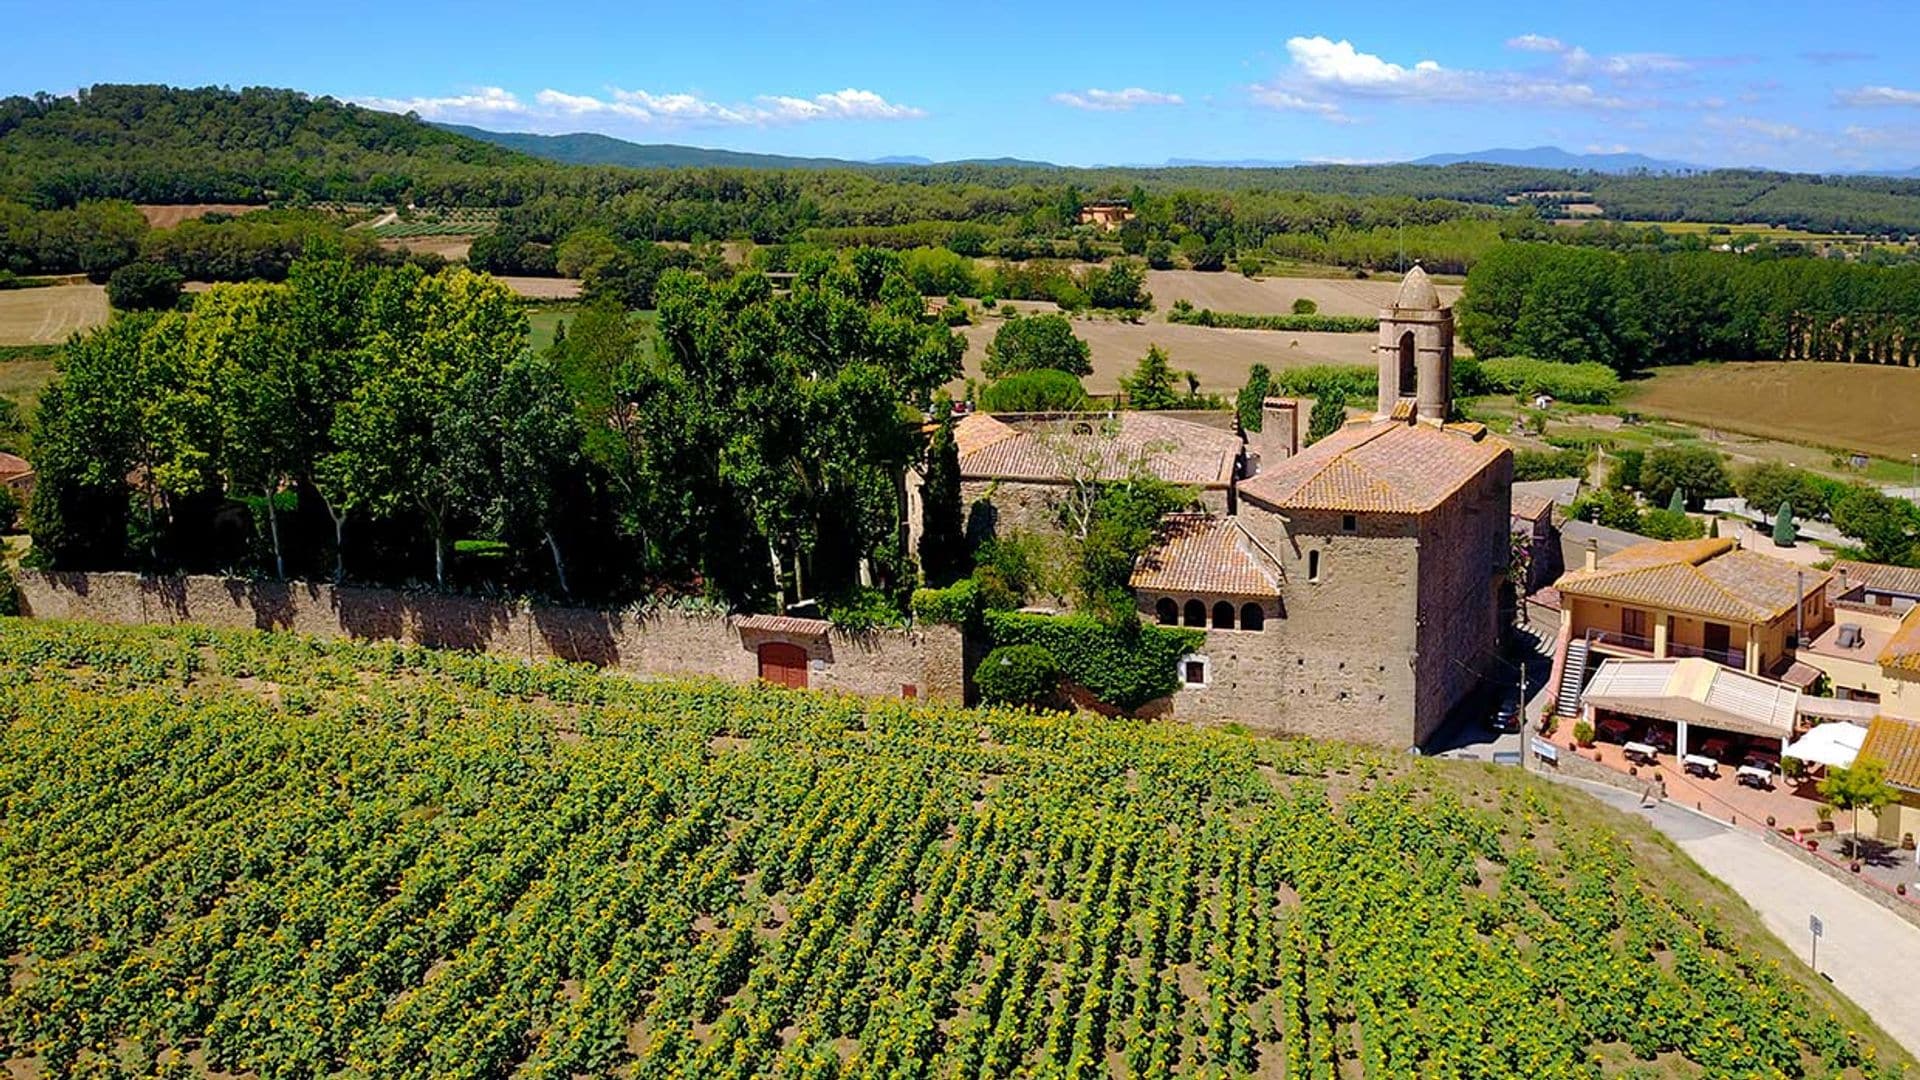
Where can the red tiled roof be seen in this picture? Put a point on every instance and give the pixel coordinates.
(1896, 744)
(1903, 648)
(1379, 466)
(786, 624)
(1178, 451)
(1528, 507)
(1879, 576)
(12, 465)
(1709, 577)
(1201, 553)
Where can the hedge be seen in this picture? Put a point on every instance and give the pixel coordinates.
(1125, 665)
(1578, 384)
(1019, 675)
(1358, 382)
(958, 603)
(1236, 320)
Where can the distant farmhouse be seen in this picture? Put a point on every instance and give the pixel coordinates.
(1349, 589)
(1109, 214)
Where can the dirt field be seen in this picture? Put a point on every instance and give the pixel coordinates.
(1864, 407)
(1220, 357)
(451, 248)
(1275, 295)
(166, 217)
(544, 288)
(47, 316)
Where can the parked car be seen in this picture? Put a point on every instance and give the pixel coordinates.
(1505, 718)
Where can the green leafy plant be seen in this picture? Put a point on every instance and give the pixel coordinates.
(1019, 675)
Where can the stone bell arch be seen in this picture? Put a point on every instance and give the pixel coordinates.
(1415, 352)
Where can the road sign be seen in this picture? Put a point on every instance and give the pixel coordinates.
(1813, 924)
(1545, 750)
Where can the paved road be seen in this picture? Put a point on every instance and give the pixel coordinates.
(1871, 954)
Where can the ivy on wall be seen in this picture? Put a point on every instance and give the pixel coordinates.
(1124, 664)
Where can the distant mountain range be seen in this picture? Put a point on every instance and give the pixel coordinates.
(1552, 157)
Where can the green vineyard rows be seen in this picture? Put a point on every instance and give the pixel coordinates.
(255, 853)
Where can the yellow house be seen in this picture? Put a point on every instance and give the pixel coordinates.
(1870, 653)
(1895, 743)
(1695, 598)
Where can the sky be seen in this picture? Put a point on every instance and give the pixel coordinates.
(1795, 84)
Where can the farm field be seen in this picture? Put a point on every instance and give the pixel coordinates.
(50, 314)
(294, 858)
(168, 215)
(543, 288)
(1219, 357)
(451, 248)
(1869, 408)
(24, 375)
(1227, 291)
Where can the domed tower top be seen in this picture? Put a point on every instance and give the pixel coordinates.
(1417, 292)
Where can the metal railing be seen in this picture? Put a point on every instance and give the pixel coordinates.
(1614, 639)
(1733, 658)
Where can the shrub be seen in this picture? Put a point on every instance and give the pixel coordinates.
(1549, 464)
(1359, 381)
(144, 286)
(1124, 663)
(957, 604)
(1583, 733)
(1580, 384)
(1044, 390)
(1625, 471)
(1235, 320)
(1328, 416)
(1305, 306)
(1035, 343)
(1669, 525)
(1019, 675)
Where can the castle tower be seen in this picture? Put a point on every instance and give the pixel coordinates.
(1415, 352)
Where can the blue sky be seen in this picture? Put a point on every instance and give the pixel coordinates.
(1812, 86)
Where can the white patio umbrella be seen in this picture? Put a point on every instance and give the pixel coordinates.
(1829, 744)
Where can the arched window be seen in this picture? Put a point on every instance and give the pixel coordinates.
(1223, 616)
(1168, 611)
(1252, 617)
(1196, 613)
(1313, 566)
(1409, 371)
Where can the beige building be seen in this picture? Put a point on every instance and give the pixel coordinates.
(1895, 743)
(1871, 652)
(1356, 591)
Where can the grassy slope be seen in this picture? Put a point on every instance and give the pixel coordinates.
(463, 861)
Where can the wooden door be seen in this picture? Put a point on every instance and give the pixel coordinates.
(784, 664)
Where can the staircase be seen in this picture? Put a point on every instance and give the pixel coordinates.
(1573, 679)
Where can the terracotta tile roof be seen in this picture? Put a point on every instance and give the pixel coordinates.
(1879, 576)
(1903, 648)
(1377, 466)
(1528, 507)
(1179, 451)
(786, 624)
(1895, 743)
(12, 465)
(1709, 577)
(1201, 553)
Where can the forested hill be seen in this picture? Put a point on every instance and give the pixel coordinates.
(167, 145)
(588, 148)
(163, 144)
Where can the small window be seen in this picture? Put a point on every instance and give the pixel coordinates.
(1349, 523)
(1167, 612)
(1196, 613)
(1223, 616)
(1194, 671)
(1313, 566)
(1252, 617)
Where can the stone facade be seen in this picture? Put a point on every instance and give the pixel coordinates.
(924, 663)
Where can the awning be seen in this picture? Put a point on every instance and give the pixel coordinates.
(1826, 708)
(786, 624)
(1693, 690)
(1829, 744)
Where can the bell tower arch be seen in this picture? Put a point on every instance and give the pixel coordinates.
(1415, 351)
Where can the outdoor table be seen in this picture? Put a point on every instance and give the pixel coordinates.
(1639, 751)
(1755, 777)
(1699, 765)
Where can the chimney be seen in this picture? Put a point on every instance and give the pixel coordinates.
(1279, 436)
(1593, 553)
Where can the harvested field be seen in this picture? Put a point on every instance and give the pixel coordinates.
(49, 315)
(1275, 295)
(1220, 357)
(1869, 408)
(166, 217)
(544, 288)
(451, 248)
(22, 381)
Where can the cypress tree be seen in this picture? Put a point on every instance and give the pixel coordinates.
(1678, 503)
(1783, 531)
(942, 541)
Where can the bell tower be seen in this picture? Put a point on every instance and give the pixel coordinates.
(1415, 352)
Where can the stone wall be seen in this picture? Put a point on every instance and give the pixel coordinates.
(1465, 545)
(925, 662)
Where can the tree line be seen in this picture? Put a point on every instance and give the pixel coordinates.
(389, 425)
(1634, 310)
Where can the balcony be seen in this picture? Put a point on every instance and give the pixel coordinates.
(1613, 641)
(1733, 658)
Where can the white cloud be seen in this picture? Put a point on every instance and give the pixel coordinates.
(1116, 100)
(1275, 98)
(1324, 71)
(1338, 63)
(641, 108)
(1870, 96)
(1537, 43)
(1768, 130)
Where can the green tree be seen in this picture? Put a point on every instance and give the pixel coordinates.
(1151, 384)
(1677, 502)
(1033, 342)
(1863, 785)
(1247, 404)
(1044, 390)
(584, 251)
(1885, 528)
(1612, 507)
(144, 286)
(1783, 531)
(1668, 525)
(1305, 306)
(1328, 416)
(1026, 675)
(1697, 472)
(942, 532)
